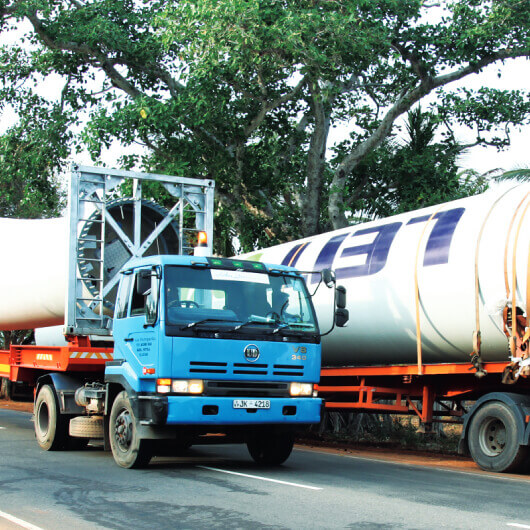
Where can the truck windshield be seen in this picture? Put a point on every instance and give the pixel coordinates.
(232, 299)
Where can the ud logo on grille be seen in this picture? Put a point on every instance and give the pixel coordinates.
(251, 353)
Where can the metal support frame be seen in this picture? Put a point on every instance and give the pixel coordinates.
(398, 390)
(90, 190)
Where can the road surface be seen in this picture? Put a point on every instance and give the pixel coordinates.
(220, 487)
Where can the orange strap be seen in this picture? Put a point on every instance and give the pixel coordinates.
(514, 276)
(419, 351)
(528, 294)
(527, 334)
(476, 334)
(297, 252)
(506, 281)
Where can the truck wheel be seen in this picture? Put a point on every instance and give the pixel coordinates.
(493, 439)
(270, 449)
(127, 448)
(51, 427)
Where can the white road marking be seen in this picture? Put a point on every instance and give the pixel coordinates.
(488, 474)
(2, 427)
(518, 525)
(19, 522)
(261, 478)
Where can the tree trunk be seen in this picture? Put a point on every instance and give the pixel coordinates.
(316, 158)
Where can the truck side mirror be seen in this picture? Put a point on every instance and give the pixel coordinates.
(341, 297)
(328, 277)
(342, 315)
(151, 303)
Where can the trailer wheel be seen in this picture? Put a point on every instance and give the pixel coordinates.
(271, 449)
(493, 439)
(51, 428)
(128, 449)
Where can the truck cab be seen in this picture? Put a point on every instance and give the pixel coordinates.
(207, 346)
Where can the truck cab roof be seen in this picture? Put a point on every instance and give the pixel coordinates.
(207, 262)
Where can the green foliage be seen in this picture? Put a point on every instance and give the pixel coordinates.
(247, 92)
(522, 174)
(397, 178)
(30, 155)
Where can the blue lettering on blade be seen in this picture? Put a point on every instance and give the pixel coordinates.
(436, 249)
(327, 255)
(376, 251)
(439, 242)
(294, 254)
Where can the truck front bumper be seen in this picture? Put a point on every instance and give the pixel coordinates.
(204, 410)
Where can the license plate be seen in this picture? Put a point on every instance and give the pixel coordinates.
(252, 404)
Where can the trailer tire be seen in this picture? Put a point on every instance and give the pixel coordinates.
(51, 428)
(128, 449)
(271, 449)
(493, 438)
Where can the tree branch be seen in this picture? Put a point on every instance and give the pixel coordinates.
(417, 66)
(10, 10)
(104, 62)
(404, 102)
(267, 107)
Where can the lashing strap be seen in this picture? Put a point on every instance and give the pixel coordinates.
(475, 354)
(419, 352)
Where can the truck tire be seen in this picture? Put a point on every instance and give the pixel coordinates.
(128, 449)
(493, 438)
(51, 427)
(270, 449)
(86, 427)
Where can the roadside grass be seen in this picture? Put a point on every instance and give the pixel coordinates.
(383, 431)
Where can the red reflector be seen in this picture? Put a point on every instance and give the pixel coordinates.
(148, 371)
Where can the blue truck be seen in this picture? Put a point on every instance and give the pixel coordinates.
(167, 349)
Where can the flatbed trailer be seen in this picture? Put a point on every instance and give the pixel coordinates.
(399, 389)
(495, 416)
(26, 363)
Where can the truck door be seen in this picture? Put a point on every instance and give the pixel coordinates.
(120, 325)
(141, 343)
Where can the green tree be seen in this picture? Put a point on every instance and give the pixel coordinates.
(247, 91)
(399, 177)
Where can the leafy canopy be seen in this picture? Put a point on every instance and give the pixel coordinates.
(248, 92)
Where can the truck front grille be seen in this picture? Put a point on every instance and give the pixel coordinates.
(244, 389)
(288, 369)
(199, 367)
(247, 368)
(257, 369)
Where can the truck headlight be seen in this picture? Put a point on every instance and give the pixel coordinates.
(188, 386)
(179, 386)
(301, 389)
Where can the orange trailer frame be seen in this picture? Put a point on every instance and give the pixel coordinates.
(399, 389)
(25, 364)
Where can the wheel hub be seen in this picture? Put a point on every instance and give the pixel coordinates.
(492, 437)
(123, 430)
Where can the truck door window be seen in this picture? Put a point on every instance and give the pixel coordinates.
(123, 296)
(138, 299)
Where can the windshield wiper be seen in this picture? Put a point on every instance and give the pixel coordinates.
(296, 332)
(261, 323)
(204, 320)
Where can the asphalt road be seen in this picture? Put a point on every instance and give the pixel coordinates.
(220, 487)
